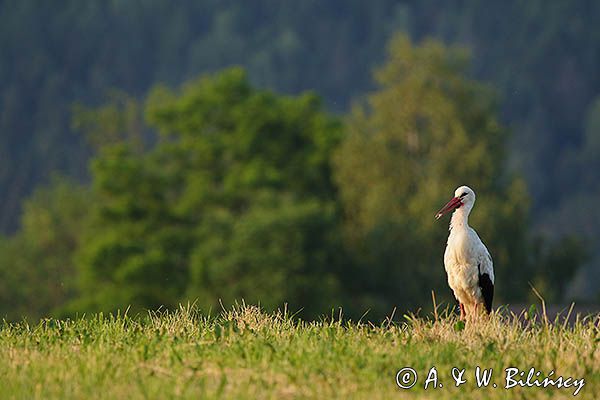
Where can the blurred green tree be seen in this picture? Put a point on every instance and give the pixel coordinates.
(426, 130)
(235, 200)
(37, 266)
(280, 250)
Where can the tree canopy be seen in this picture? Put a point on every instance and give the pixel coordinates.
(426, 130)
(235, 200)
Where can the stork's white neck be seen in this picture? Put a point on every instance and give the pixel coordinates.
(460, 218)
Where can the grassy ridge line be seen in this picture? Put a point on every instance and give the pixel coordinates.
(246, 353)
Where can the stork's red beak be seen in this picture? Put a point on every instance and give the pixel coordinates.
(450, 206)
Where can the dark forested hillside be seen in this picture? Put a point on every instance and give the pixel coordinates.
(542, 57)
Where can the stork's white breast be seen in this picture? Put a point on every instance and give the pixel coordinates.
(461, 264)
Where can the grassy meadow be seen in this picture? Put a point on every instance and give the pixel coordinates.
(247, 353)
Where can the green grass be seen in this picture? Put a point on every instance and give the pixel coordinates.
(246, 353)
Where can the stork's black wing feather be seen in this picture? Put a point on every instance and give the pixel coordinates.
(487, 289)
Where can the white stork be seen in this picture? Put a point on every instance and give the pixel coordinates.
(467, 261)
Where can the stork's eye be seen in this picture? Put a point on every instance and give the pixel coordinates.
(464, 194)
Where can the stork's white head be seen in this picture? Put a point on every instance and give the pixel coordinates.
(464, 197)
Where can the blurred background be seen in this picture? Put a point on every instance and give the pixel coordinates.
(157, 152)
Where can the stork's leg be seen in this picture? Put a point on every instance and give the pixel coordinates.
(463, 315)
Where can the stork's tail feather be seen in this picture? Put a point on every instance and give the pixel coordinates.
(487, 289)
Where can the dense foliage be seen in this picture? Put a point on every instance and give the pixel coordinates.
(37, 264)
(542, 56)
(223, 191)
(424, 132)
(234, 201)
